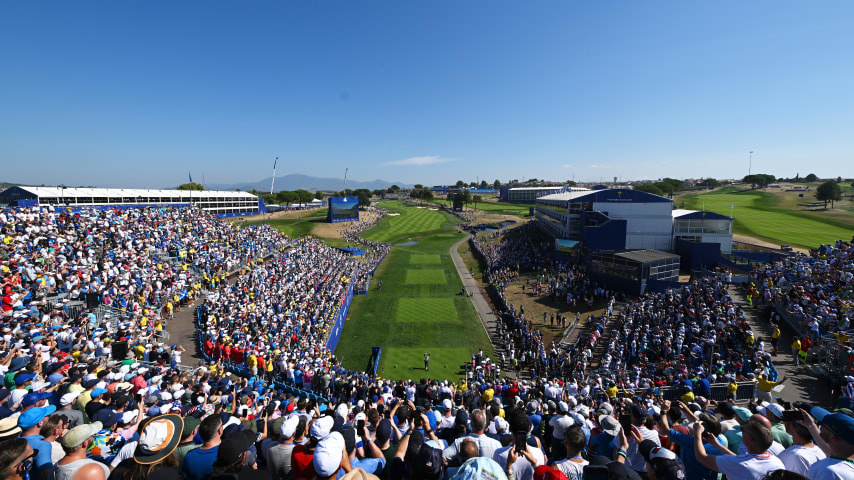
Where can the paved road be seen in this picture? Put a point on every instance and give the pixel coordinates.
(802, 385)
(481, 305)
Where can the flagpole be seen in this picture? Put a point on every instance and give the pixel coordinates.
(274, 175)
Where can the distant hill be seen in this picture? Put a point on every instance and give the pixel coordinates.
(296, 181)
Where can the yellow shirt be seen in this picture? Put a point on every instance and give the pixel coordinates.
(252, 361)
(776, 333)
(732, 388)
(488, 394)
(611, 392)
(796, 345)
(767, 385)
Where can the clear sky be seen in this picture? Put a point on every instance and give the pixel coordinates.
(139, 93)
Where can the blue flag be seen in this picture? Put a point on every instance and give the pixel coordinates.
(191, 177)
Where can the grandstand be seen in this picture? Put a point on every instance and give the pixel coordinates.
(219, 203)
(531, 194)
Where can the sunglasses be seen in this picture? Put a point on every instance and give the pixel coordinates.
(27, 463)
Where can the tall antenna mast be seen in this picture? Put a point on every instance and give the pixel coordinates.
(274, 175)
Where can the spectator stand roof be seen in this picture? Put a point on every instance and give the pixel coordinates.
(86, 192)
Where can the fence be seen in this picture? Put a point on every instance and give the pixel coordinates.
(341, 316)
(718, 392)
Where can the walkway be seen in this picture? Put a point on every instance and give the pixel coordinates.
(481, 305)
(802, 385)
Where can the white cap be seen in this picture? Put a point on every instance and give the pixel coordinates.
(69, 397)
(327, 455)
(321, 427)
(501, 425)
(289, 426)
(447, 404)
(343, 411)
(36, 386)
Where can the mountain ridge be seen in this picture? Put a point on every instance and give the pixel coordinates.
(296, 181)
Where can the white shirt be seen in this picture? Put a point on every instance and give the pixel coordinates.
(634, 459)
(572, 470)
(522, 468)
(748, 467)
(560, 423)
(776, 448)
(799, 459)
(485, 446)
(831, 469)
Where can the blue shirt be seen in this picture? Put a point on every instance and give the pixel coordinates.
(602, 444)
(43, 459)
(198, 463)
(373, 466)
(693, 468)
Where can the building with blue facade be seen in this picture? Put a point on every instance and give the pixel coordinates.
(608, 219)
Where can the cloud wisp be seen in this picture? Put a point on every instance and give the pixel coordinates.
(419, 161)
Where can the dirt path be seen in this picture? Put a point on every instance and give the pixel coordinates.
(737, 237)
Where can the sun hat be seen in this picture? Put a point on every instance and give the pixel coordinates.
(610, 425)
(80, 433)
(327, 455)
(9, 428)
(159, 438)
(234, 444)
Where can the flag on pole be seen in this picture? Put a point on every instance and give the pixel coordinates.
(275, 162)
(191, 177)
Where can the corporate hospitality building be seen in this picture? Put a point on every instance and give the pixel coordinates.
(531, 194)
(634, 237)
(220, 203)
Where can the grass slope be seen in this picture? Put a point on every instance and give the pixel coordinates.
(498, 208)
(418, 309)
(295, 227)
(760, 214)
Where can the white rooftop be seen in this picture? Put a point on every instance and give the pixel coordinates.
(73, 192)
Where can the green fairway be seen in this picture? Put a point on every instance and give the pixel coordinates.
(409, 222)
(498, 208)
(419, 309)
(758, 214)
(424, 259)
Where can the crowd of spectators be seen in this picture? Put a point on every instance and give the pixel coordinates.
(815, 288)
(87, 399)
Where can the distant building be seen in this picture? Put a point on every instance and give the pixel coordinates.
(531, 194)
(220, 203)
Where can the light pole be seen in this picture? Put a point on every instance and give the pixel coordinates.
(750, 163)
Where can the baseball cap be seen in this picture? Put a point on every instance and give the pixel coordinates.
(383, 432)
(479, 468)
(321, 427)
(33, 398)
(544, 472)
(23, 378)
(775, 409)
(447, 404)
(327, 455)
(429, 461)
(289, 427)
(69, 397)
(80, 433)
(841, 425)
(665, 463)
(742, 413)
(234, 444)
(33, 416)
(462, 417)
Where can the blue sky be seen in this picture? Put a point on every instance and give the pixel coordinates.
(139, 93)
